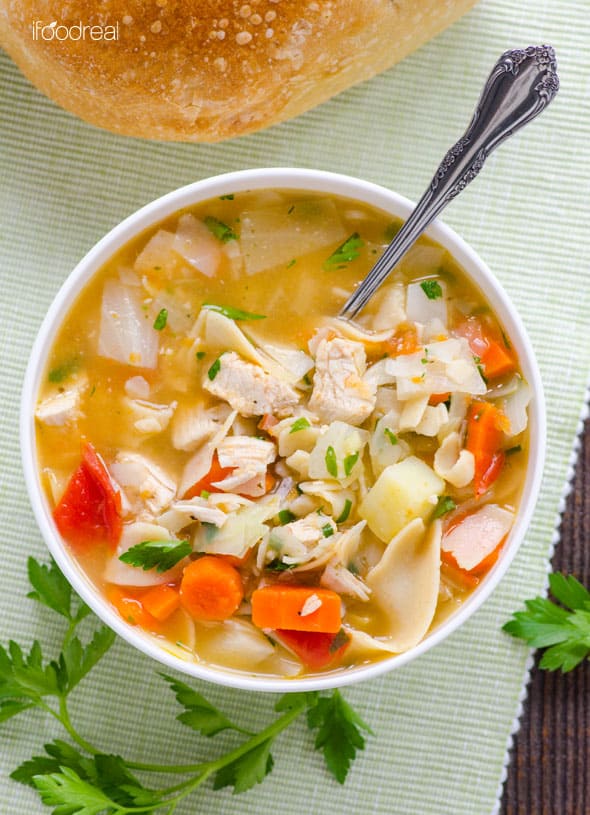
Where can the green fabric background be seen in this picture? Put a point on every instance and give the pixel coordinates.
(443, 722)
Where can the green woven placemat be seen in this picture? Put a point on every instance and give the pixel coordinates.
(443, 722)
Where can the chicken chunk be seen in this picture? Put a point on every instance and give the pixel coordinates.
(250, 390)
(147, 489)
(339, 390)
(249, 459)
(62, 407)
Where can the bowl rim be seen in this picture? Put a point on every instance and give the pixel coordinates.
(151, 214)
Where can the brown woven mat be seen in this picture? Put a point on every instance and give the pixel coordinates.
(549, 772)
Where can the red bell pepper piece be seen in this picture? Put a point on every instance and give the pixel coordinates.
(314, 648)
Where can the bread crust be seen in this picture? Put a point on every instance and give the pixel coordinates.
(209, 70)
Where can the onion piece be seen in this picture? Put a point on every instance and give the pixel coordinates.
(197, 245)
(126, 330)
(514, 408)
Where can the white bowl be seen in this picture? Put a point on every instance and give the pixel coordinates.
(275, 178)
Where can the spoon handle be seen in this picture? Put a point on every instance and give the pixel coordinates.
(520, 86)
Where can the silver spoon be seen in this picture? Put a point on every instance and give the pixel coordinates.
(520, 86)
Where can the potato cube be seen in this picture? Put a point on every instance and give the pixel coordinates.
(403, 491)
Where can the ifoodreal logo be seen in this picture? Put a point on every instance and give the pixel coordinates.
(76, 31)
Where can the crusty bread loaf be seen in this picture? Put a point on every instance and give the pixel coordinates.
(209, 70)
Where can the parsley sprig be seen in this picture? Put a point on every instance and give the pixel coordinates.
(564, 630)
(78, 778)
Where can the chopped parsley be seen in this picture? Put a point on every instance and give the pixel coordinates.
(306, 379)
(345, 512)
(161, 319)
(214, 369)
(349, 463)
(205, 494)
(286, 516)
(327, 530)
(299, 424)
(345, 253)
(159, 554)
(506, 340)
(277, 565)
(432, 289)
(200, 354)
(291, 209)
(291, 263)
(391, 435)
(511, 450)
(233, 313)
(444, 504)
(229, 197)
(222, 231)
(340, 639)
(63, 371)
(331, 462)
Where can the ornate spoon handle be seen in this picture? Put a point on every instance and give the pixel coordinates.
(520, 86)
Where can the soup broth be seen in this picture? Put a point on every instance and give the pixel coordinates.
(260, 485)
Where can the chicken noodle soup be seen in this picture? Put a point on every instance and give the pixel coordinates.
(258, 484)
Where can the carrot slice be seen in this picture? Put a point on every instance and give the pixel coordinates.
(404, 341)
(315, 648)
(161, 601)
(211, 589)
(216, 473)
(487, 343)
(455, 574)
(438, 398)
(89, 511)
(130, 606)
(485, 424)
(282, 606)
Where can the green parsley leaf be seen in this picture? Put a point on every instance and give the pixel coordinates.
(77, 660)
(162, 555)
(12, 707)
(331, 462)
(512, 450)
(50, 587)
(327, 530)
(59, 754)
(291, 263)
(391, 435)
(444, 504)
(299, 424)
(246, 771)
(345, 512)
(214, 369)
(432, 289)
(277, 565)
(222, 231)
(349, 463)
(200, 354)
(229, 197)
(63, 371)
(233, 313)
(199, 714)
(161, 319)
(72, 795)
(565, 632)
(23, 676)
(205, 494)
(345, 253)
(339, 733)
(286, 516)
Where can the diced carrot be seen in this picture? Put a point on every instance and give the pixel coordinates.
(161, 601)
(438, 398)
(269, 481)
(211, 589)
(89, 511)
(487, 343)
(404, 341)
(314, 648)
(485, 425)
(216, 473)
(130, 606)
(267, 421)
(279, 607)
